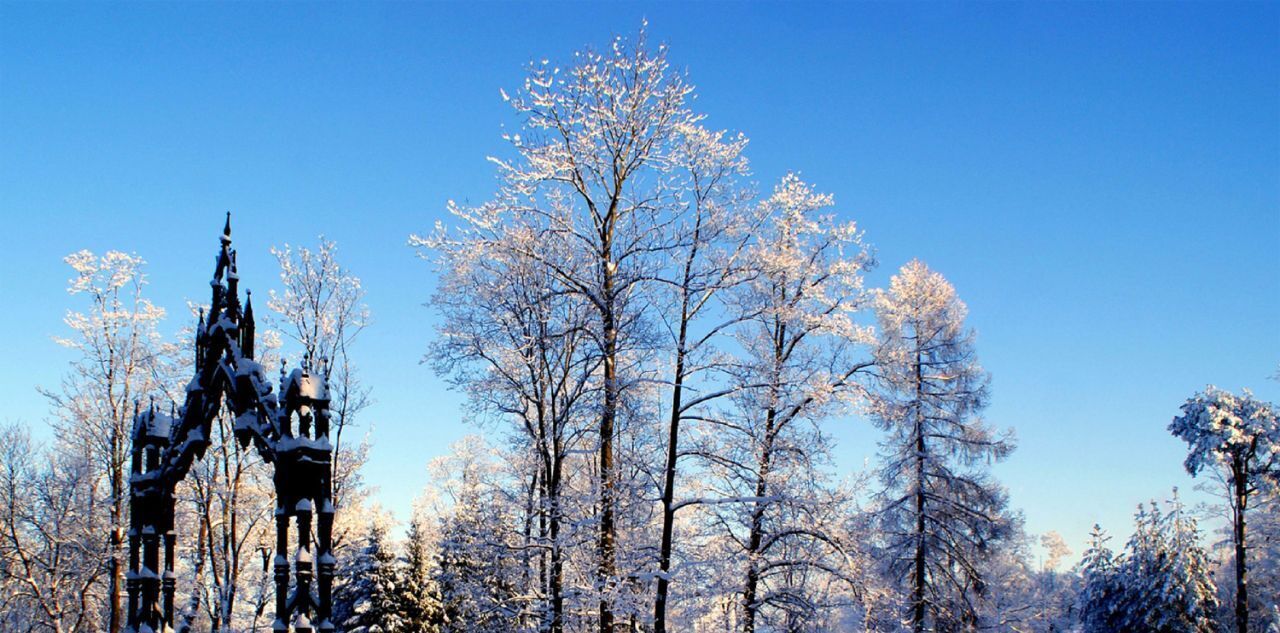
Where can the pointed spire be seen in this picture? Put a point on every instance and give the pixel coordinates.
(246, 326)
(200, 338)
(233, 292)
(226, 230)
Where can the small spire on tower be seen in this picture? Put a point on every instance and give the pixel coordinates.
(226, 230)
(200, 338)
(246, 326)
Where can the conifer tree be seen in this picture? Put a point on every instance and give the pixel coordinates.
(369, 599)
(1239, 436)
(1102, 586)
(1161, 583)
(942, 513)
(416, 594)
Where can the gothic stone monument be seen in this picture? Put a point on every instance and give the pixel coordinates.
(290, 430)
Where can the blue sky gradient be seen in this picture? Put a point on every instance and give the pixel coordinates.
(1101, 182)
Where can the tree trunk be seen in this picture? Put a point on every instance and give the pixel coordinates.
(918, 576)
(1241, 502)
(669, 486)
(557, 556)
(606, 569)
(756, 538)
(114, 568)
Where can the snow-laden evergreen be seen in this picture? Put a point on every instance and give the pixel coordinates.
(943, 514)
(1237, 437)
(1161, 582)
(369, 597)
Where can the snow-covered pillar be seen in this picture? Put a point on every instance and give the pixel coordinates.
(281, 570)
(325, 563)
(169, 579)
(302, 569)
(131, 585)
(150, 579)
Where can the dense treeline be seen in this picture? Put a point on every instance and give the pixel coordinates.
(658, 353)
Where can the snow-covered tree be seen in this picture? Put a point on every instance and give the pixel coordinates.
(1160, 583)
(518, 344)
(1238, 437)
(475, 572)
(370, 600)
(1100, 595)
(801, 352)
(1188, 593)
(417, 595)
(1055, 550)
(943, 513)
(53, 549)
(120, 360)
(1024, 596)
(587, 195)
(712, 229)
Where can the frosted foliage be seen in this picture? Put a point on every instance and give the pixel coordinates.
(1055, 549)
(321, 305)
(942, 513)
(120, 361)
(1219, 426)
(811, 266)
(1160, 582)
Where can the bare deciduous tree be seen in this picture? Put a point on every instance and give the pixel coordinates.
(52, 544)
(120, 360)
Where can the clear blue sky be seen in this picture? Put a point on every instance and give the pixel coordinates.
(1100, 181)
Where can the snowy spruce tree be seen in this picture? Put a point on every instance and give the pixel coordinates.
(368, 600)
(416, 595)
(943, 515)
(1161, 583)
(1100, 596)
(1188, 596)
(476, 570)
(1236, 437)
